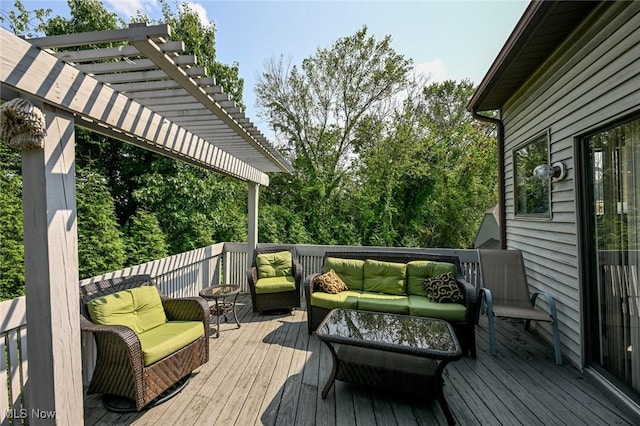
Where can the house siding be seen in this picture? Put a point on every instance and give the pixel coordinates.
(591, 80)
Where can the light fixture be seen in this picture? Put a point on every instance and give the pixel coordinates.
(556, 171)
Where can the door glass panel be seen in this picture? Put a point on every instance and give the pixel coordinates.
(614, 157)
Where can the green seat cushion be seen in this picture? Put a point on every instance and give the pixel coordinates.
(278, 264)
(422, 307)
(345, 299)
(378, 302)
(384, 277)
(167, 338)
(351, 271)
(138, 308)
(275, 285)
(418, 270)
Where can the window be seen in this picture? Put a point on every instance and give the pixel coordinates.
(531, 194)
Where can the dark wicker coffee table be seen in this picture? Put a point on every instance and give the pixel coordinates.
(223, 305)
(398, 352)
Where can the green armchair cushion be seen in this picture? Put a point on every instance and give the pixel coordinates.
(279, 264)
(423, 307)
(167, 338)
(345, 299)
(351, 271)
(384, 277)
(379, 302)
(138, 308)
(275, 284)
(418, 270)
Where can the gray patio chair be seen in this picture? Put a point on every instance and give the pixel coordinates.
(506, 294)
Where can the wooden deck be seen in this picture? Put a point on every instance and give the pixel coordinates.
(271, 372)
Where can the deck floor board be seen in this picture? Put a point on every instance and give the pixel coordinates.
(272, 372)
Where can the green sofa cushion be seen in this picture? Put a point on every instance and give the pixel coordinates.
(378, 302)
(345, 299)
(278, 264)
(138, 308)
(350, 270)
(166, 339)
(423, 307)
(384, 277)
(418, 270)
(275, 285)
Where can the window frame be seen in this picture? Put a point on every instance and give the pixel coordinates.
(542, 138)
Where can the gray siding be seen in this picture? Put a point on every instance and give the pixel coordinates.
(591, 80)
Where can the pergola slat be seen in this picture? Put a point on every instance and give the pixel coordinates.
(114, 52)
(129, 65)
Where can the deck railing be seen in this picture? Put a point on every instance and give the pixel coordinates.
(181, 275)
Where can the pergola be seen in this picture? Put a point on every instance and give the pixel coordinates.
(143, 92)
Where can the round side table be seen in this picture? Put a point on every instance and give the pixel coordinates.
(221, 296)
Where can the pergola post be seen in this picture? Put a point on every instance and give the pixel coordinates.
(252, 231)
(55, 394)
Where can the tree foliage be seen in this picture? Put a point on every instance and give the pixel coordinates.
(100, 240)
(11, 236)
(144, 239)
(318, 108)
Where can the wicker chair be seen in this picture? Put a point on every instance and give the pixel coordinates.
(120, 368)
(284, 300)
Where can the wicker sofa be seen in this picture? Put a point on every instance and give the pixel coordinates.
(409, 300)
(122, 369)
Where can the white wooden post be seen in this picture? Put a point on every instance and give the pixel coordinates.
(54, 387)
(252, 231)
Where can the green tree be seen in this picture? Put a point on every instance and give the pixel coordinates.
(429, 174)
(144, 240)
(318, 108)
(100, 241)
(194, 207)
(11, 236)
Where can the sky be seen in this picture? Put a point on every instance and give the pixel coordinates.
(447, 39)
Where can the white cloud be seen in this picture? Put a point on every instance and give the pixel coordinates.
(434, 70)
(129, 8)
(201, 11)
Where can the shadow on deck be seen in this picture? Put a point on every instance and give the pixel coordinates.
(271, 372)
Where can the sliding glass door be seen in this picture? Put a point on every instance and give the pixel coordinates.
(613, 182)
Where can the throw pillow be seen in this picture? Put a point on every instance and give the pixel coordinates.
(330, 282)
(443, 289)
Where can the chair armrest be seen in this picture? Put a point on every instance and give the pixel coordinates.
(117, 341)
(297, 274)
(252, 277)
(487, 298)
(470, 296)
(187, 309)
(308, 283)
(549, 298)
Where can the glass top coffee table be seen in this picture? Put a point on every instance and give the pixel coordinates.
(222, 306)
(399, 352)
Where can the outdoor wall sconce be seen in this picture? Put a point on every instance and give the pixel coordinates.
(556, 171)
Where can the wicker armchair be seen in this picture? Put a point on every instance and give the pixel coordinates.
(120, 368)
(282, 300)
